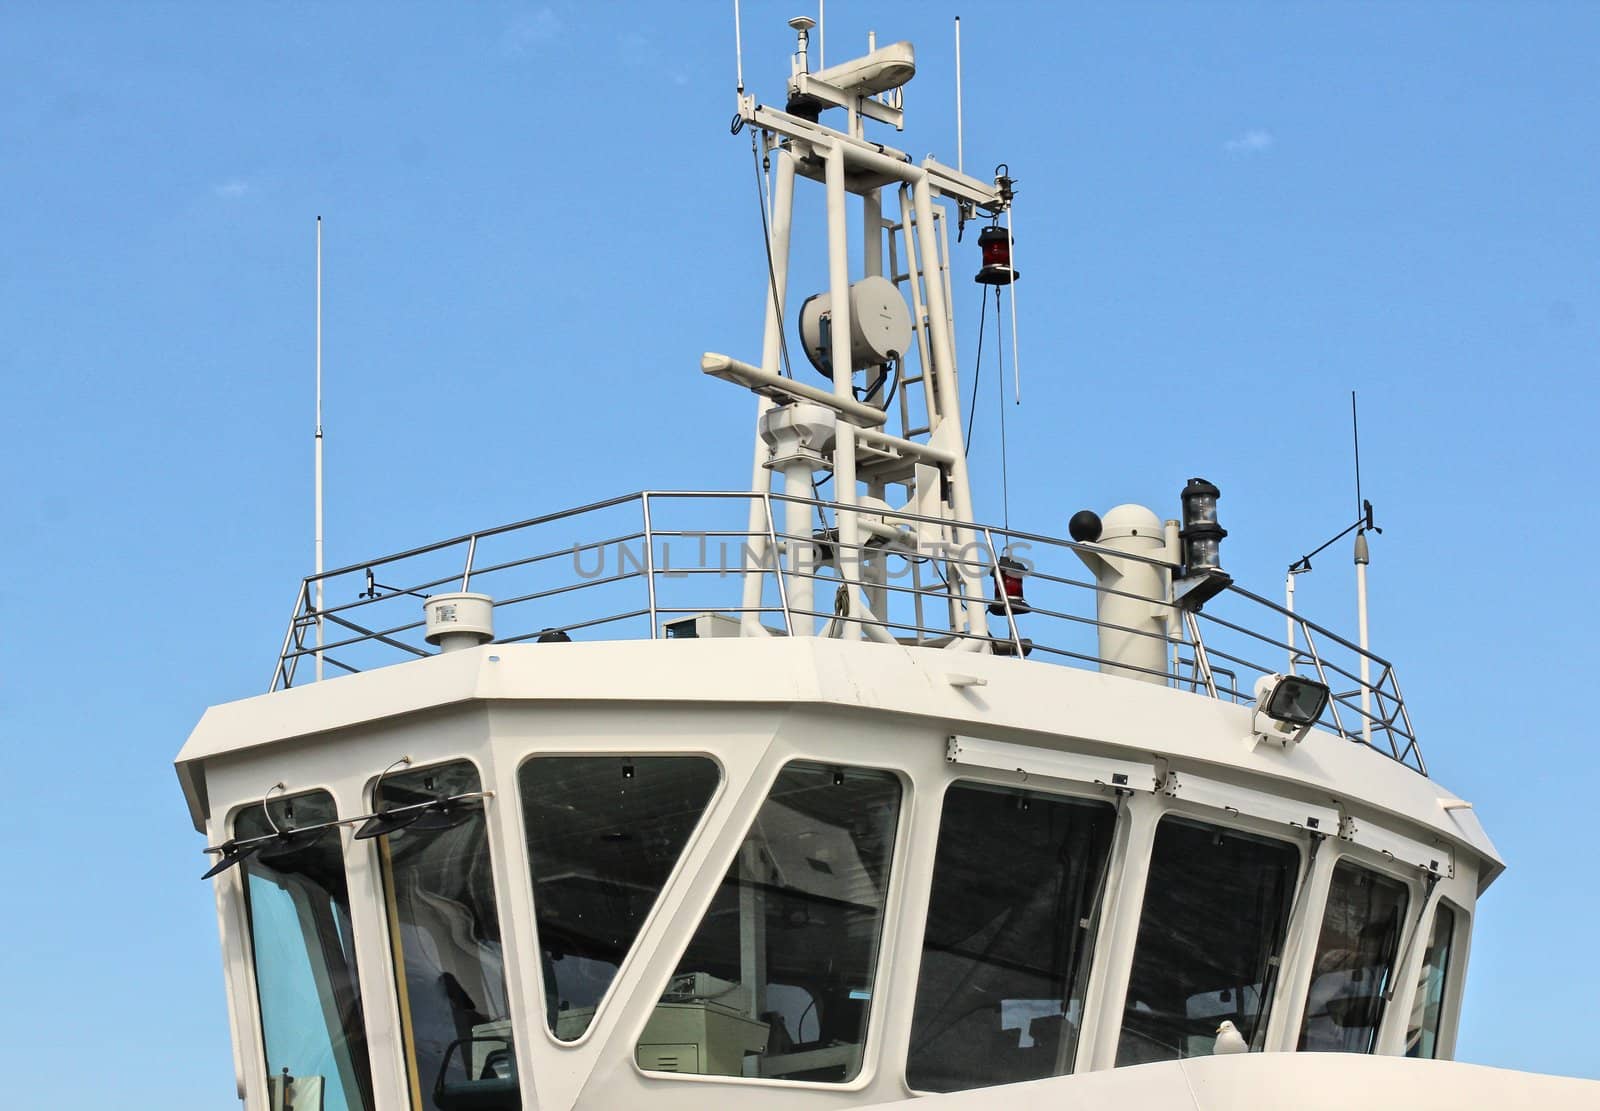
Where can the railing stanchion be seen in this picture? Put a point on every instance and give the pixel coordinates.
(1001, 592)
(1202, 662)
(1322, 677)
(649, 561)
(281, 675)
(466, 572)
(777, 571)
(1405, 717)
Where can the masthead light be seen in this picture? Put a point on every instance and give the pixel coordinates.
(1202, 535)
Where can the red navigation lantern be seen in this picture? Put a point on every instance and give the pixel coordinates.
(995, 242)
(1008, 588)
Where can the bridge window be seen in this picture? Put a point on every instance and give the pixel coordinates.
(777, 981)
(604, 833)
(1216, 911)
(1355, 960)
(444, 930)
(1017, 881)
(299, 914)
(1422, 1033)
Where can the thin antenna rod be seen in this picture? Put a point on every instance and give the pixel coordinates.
(822, 37)
(960, 152)
(1016, 367)
(1362, 558)
(1000, 381)
(738, 48)
(1355, 435)
(317, 480)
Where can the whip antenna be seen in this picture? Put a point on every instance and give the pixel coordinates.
(738, 50)
(1016, 367)
(1362, 558)
(317, 460)
(960, 159)
(1355, 436)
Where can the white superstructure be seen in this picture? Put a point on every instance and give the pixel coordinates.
(792, 796)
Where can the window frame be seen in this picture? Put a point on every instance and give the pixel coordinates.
(1454, 977)
(1116, 870)
(1338, 851)
(238, 900)
(533, 973)
(499, 880)
(757, 790)
(1108, 1035)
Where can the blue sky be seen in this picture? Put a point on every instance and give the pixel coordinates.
(1230, 216)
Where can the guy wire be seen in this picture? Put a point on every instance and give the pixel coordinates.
(977, 372)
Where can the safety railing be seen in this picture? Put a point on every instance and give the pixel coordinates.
(662, 564)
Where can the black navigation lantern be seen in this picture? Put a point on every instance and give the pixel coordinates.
(1202, 535)
(1202, 575)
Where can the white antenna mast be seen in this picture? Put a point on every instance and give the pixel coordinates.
(960, 153)
(317, 479)
(822, 37)
(1362, 558)
(738, 48)
(1016, 367)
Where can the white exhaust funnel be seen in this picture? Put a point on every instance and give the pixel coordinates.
(1131, 602)
(457, 621)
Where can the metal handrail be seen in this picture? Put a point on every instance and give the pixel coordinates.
(533, 580)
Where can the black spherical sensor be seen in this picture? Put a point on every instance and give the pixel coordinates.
(1084, 526)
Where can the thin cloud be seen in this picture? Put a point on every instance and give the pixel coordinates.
(1253, 141)
(527, 32)
(232, 189)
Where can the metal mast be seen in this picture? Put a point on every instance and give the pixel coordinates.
(839, 428)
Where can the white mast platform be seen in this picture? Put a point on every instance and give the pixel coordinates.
(770, 799)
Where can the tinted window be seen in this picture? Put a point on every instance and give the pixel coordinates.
(299, 913)
(1422, 1032)
(1216, 909)
(777, 980)
(604, 833)
(1006, 952)
(1355, 959)
(445, 933)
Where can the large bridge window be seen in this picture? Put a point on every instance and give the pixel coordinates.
(1016, 885)
(299, 913)
(604, 833)
(444, 928)
(1422, 1033)
(1355, 960)
(1216, 910)
(777, 980)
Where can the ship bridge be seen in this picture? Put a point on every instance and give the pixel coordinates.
(770, 798)
(569, 825)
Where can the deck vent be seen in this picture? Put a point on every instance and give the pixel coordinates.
(457, 621)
